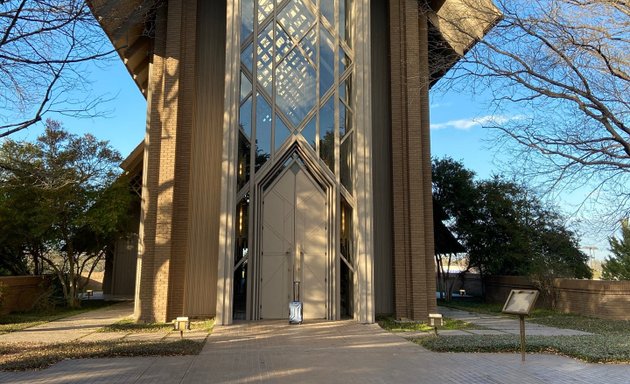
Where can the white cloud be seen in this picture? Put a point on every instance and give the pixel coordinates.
(439, 105)
(466, 124)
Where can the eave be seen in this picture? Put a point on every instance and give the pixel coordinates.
(129, 26)
(455, 26)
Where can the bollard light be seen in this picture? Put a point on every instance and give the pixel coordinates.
(435, 320)
(180, 324)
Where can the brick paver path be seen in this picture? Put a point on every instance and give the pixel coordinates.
(322, 352)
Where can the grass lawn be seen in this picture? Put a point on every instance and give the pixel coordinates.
(17, 357)
(610, 342)
(22, 357)
(129, 326)
(21, 320)
(390, 324)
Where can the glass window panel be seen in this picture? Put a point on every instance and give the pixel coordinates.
(327, 7)
(326, 61)
(265, 8)
(246, 86)
(242, 229)
(344, 21)
(247, 18)
(245, 117)
(308, 44)
(345, 120)
(241, 254)
(345, 91)
(344, 61)
(265, 57)
(240, 292)
(327, 133)
(346, 234)
(281, 132)
(247, 57)
(296, 19)
(345, 162)
(309, 132)
(263, 130)
(243, 172)
(295, 82)
(283, 43)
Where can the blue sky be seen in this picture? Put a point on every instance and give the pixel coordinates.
(455, 121)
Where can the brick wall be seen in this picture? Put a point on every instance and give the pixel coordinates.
(19, 293)
(597, 298)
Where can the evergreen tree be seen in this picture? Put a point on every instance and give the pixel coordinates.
(617, 266)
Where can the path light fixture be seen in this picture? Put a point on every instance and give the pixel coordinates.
(436, 320)
(180, 324)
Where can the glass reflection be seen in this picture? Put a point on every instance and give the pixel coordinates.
(264, 58)
(296, 19)
(240, 258)
(347, 251)
(327, 134)
(265, 8)
(345, 163)
(310, 132)
(282, 132)
(244, 147)
(247, 57)
(247, 18)
(263, 128)
(295, 82)
(246, 86)
(326, 61)
(327, 8)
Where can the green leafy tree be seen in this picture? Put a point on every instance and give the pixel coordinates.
(617, 266)
(504, 227)
(63, 201)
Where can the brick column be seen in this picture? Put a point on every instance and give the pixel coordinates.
(163, 237)
(414, 270)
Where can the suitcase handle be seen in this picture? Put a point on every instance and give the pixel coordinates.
(296, 293)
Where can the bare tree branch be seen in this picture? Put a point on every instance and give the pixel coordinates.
(44, 48)
(561, 69)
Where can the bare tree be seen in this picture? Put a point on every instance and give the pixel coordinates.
(559, 79)
(44, 48)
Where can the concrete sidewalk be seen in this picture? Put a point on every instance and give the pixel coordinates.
(500, 325)
(71, 328)
(322, 352)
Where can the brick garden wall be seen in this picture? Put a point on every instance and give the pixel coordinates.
(19, 293)
(597, 298)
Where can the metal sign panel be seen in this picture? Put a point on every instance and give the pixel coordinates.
(520, 301)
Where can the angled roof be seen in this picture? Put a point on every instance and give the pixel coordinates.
(455, 26)
(129, 26)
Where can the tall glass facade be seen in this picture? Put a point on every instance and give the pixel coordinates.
(296, 77)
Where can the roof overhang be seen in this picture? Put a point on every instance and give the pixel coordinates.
(129, 24)
(455, 26)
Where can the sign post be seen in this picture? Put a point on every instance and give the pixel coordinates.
(521, 302)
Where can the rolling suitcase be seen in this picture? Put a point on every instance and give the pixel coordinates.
(295, 306)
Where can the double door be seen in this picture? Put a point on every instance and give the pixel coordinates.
(294, 246)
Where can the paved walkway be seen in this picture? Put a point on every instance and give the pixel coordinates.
(321, 352)
(72, 328)
(501, 325)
